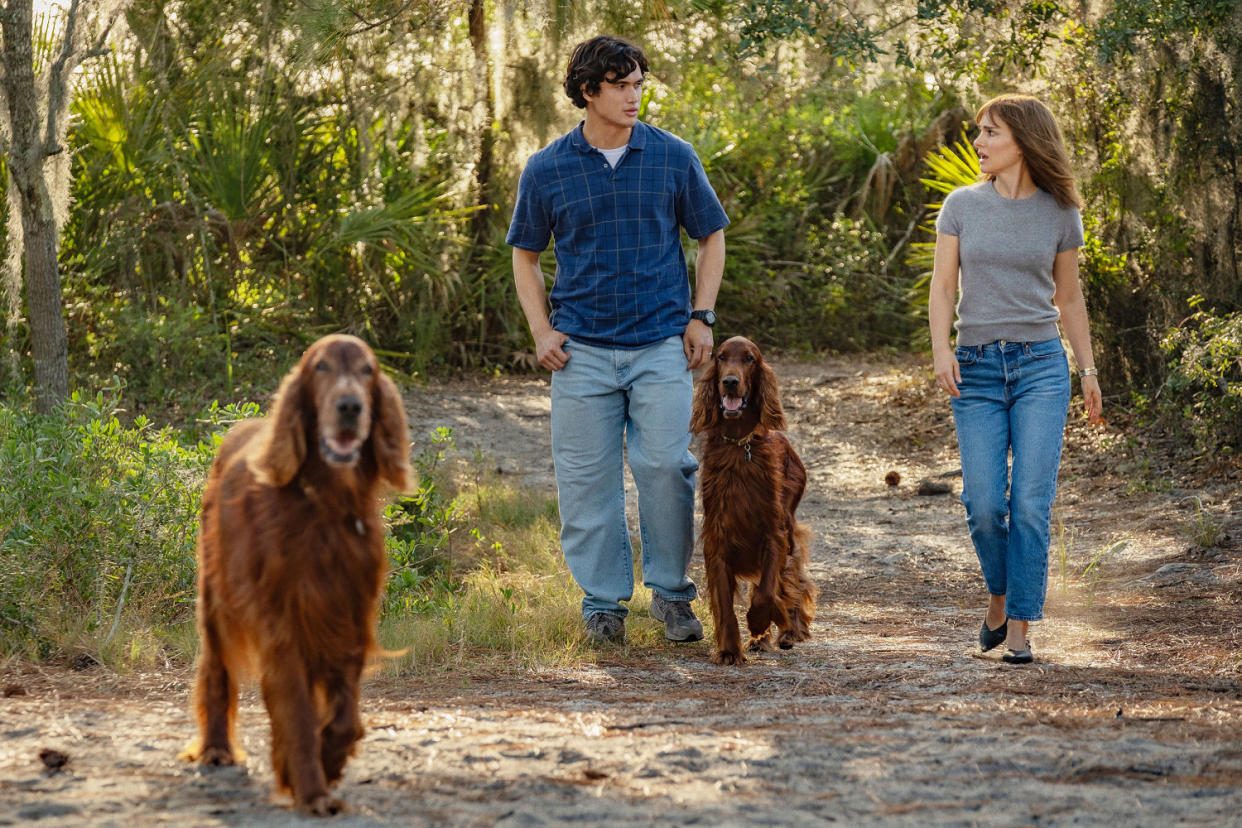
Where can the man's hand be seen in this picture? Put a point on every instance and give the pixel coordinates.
(548, 349)
(697, 341)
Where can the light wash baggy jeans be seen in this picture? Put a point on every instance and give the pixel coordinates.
(602, 399)
(1015, 397)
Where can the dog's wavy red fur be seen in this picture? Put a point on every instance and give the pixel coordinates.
(751, 481)
(292, 563)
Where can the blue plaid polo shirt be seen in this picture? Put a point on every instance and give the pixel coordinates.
(621, 278)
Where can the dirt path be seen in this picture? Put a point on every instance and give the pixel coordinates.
(1132, 716)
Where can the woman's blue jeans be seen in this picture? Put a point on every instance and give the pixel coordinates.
(604, 401)
(1014, 398)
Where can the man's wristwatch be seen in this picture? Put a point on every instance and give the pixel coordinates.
(707, 317)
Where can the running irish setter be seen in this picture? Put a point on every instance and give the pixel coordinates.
(751, 481)
(291, 565)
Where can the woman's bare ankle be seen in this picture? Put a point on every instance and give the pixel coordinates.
(1016, 639)
(996, 611)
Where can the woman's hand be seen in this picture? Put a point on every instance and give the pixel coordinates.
(948, 374)
(1093, 398)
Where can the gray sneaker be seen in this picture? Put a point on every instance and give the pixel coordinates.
(605, 628)
(679, 621)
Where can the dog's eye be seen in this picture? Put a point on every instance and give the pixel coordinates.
(367, 370)
(748, 358)
(322, 366)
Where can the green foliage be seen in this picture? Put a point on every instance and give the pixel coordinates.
(227, 187)
(946, 169)
(100, 519)
(422, 524)
(820, 185)
(249, 177)
(838, 297)
(1127, 24)
(173, 358)
(957, 39)
(951, 167)
(1204, 384)
(1094, 573)
(99, 524)
(475, 570)
(1204, 529)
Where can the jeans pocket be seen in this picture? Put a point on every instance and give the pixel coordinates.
(966, 356)
(1047, 349)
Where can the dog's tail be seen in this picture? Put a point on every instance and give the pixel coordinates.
(802, 537)
(801, 559)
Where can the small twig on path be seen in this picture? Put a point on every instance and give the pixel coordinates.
(640, 725)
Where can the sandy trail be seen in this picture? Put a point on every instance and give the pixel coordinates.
(1131, 716)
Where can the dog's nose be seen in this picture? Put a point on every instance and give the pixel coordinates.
(730, 383)
(348, 408)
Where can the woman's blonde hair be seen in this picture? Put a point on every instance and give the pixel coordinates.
(1039, 138)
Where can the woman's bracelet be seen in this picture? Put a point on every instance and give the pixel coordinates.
(1087, 372)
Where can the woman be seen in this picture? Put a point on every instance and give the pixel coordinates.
(1014, 236)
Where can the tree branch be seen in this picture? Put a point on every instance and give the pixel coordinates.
(70, 57)
(56, 100)
(98, 49)
(368, 25)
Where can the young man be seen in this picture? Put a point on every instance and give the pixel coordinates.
(623, 336)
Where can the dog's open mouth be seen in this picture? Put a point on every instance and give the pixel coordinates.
(732, 406)
(342, 449)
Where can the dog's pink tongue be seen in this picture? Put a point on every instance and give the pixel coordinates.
(343, 445)
(733, 403)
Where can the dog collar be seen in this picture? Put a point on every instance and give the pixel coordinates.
(744, 442)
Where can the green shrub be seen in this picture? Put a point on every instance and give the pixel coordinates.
(421, 527)
(838, 297)
(1204, 384)
(172, 357)
(99, 518)
(98, 522)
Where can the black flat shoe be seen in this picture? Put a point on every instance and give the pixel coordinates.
(1013, 656)
(991, 639)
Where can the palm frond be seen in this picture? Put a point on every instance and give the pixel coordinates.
(948, 168)
(952, 167)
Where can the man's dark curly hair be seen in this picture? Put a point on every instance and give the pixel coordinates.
(595, 59)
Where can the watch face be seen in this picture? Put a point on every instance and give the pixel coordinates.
(707, 317)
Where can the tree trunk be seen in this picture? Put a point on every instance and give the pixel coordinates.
(48, 338)
(484, 168)
(26, 156)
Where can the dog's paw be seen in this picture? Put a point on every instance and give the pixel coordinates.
(761, 644)
(728, 657)
(790, 637)
(212, 756)
(322, 805)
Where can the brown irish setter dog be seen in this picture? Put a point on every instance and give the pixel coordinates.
(751, 481)
(291, 564)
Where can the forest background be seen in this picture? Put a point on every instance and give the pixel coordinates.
(240, 178)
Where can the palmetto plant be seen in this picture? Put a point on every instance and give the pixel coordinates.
(948, 168)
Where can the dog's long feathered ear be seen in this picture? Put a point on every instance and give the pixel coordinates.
(770, 412)
(390, 434)
(705, 415)
(282, 456)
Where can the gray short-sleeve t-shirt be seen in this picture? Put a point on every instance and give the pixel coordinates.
(1006, 249)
